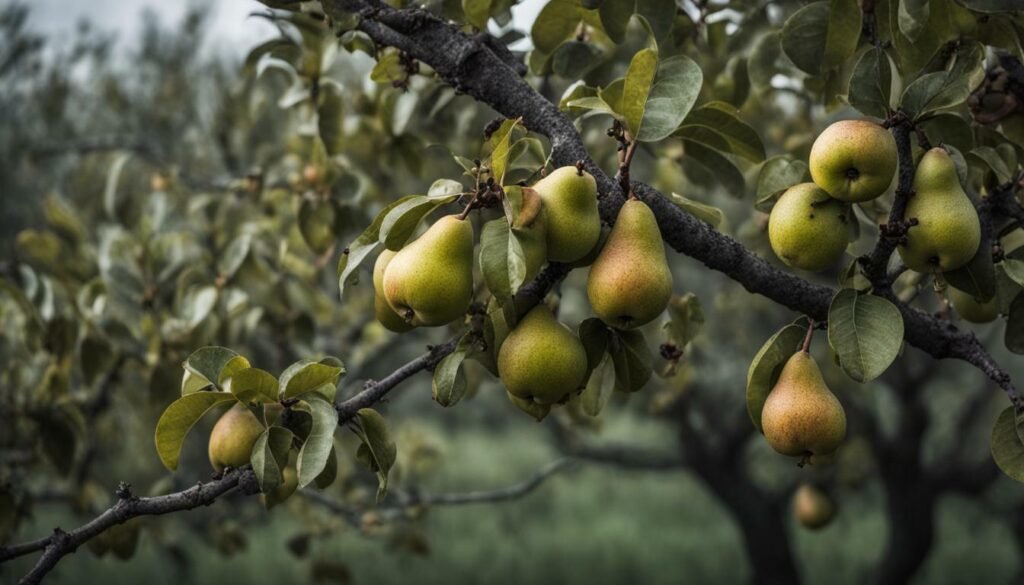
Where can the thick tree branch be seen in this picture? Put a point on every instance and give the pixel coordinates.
(876, 264)
(467, 64)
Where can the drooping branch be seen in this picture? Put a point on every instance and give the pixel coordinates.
(469, 65)
(61, 543)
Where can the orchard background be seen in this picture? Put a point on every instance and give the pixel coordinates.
(168, 208)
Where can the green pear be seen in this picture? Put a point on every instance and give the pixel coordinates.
(948, 231)
(971, 309)
(430, 281)
(541, 359)
(233, 436)
(574, 225)
(812, 507)
(807, 228)
(531, 228)
(801, 416)
(288, 485)
(854, 160)
(630, 282)
(385, 314)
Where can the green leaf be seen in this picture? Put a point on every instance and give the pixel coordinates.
(178, 419)
(595, 103)
(776, 175)
(763, 58)
(234, 365)
(701, 211)
(502, 139)
(1007, 448)
(270, 456)
(596, 337)
(639, 79)
(330, 472)
(318, 444)
(254, 385)
(844, 29)
(945, 89)
(804, 37)
(991, 160)
(657, 15)
(977, 277)
(599, 386)
(632, 360)
(330, 117)
(401, 221)
(721, 119)
(306, 376)
(1006, 288)
(1014, 269)
(363, 245)
(477, 12)
(866, 333)
(110, 189)
(555, 23)
(686, 319)
(1014, 334)
(675, 90)
(719, 168)
(388, 69)
(871, 84)
(768, 363)
(234, 255)
(502, 261)
(448, 385)
(378, 451)
(574, 59)
(206, 363)
(913, 17)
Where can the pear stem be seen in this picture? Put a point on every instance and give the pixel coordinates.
(806, 347)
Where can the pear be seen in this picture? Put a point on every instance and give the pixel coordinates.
(385, 314)
(574, 225)
(971, 309)
(812, 507)
(288, 485)
(541, 359)
(430, 281)
(232, 438)
(630, 282)
(801, 416)
(948, 231)
(807, 228)
(854, 160)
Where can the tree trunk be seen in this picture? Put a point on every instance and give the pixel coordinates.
(911, 511)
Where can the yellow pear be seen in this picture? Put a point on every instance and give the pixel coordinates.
(574, 225)
(812, 507)
(385, 314)
(801, 416)
(430, 281)
(971, 309)
(541, 359)
(854, 160)
(948, 231)
(807, 228)
(630, 283)
(232, 438)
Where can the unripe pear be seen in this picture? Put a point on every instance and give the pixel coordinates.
(948, 231)
(430, 281)
(574, 225)
(812, 507)
(807, 228)
(541, 359)
(383, 311)
(232, 438)
(854, 160)
(971, 309)
(801, 417)
(630, 282)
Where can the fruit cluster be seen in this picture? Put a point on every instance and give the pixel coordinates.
(429, 282)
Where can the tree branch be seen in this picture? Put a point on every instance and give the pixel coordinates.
(467, 64)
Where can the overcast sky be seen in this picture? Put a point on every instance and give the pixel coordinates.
(232, 29)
